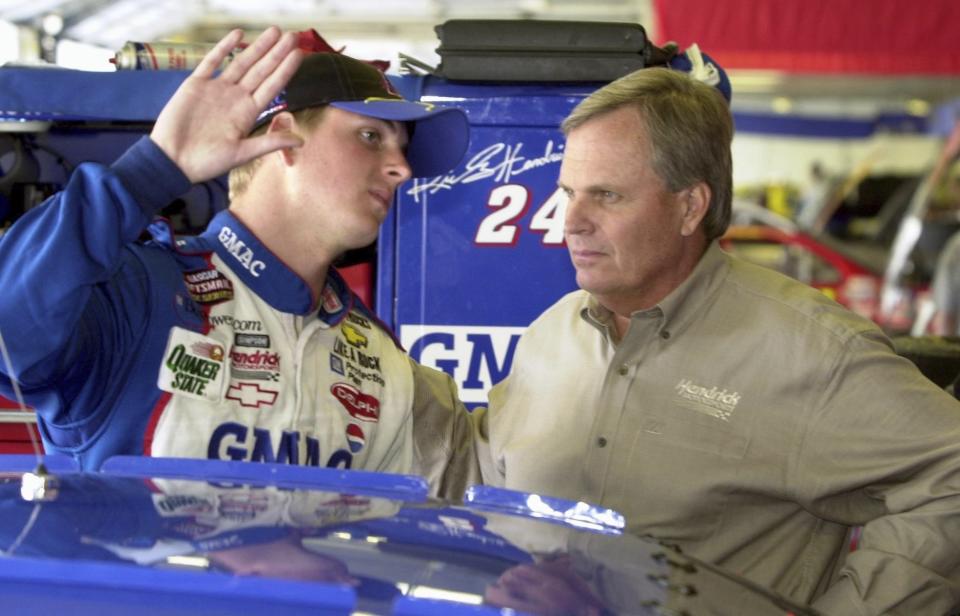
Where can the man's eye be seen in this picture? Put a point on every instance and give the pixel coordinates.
(609, 196)
(370, 136)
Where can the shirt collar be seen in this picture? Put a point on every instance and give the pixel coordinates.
(269, 277)
(682, 304)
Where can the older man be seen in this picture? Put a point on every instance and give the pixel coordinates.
(718, 405)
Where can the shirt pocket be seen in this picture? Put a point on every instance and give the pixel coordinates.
(680, 474)
(694, 432)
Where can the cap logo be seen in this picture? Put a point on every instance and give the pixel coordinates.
(377, 99)
(278, 104)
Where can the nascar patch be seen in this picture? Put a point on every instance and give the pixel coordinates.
(208, 287)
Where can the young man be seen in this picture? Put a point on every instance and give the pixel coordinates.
(718, 405)
(242, 343)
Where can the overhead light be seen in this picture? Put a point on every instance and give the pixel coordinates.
(52, 24)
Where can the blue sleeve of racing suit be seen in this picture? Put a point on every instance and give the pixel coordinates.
(58, 266)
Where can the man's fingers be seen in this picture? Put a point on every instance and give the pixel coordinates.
(256, 50)
(277, 79)
(215, 57)
(525, 574)
(267, 65)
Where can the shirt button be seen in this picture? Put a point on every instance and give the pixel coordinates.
(623, 370)
(665, 335)
(601, 442)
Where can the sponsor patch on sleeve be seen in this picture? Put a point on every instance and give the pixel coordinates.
(193, 366)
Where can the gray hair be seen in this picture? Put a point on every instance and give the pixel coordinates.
(690, 130)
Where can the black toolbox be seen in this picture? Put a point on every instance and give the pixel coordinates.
(539, 50)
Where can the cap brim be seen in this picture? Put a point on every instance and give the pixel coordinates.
(439, 140)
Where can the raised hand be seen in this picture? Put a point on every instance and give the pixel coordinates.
(204, 127)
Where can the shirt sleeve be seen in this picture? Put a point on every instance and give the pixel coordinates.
(882, 450)
(444, 451)
(492, 467)
(54, 257)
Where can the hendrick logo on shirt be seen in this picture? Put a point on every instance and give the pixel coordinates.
(719, 403)
(257, 366)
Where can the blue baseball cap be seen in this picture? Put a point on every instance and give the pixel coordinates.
(439, 135)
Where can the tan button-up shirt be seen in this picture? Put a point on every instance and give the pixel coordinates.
(752, 421)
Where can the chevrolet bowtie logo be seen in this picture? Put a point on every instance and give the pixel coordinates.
(249, 395)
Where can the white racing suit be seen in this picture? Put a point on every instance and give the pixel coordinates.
(207, 347)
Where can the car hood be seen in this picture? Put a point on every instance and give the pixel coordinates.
(213, 537)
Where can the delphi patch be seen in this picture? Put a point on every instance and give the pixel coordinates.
(193, 366)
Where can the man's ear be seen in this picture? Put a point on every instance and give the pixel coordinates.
(694, 202)
(284, 122)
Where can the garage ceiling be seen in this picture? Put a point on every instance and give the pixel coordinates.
(721, 26)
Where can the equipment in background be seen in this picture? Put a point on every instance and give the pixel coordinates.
(161, 55)
(555, 51)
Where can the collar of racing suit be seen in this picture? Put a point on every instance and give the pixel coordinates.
(260, 269)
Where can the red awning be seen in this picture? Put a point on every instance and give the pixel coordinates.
(819, 36)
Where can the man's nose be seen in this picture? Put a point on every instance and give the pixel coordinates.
(396, 166)
(577, 216)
